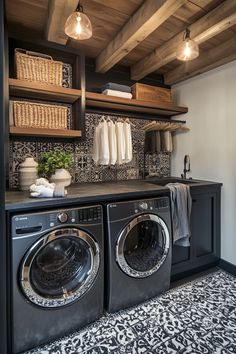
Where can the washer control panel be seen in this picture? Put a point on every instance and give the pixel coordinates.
(38, 222)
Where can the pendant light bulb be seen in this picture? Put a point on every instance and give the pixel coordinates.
(78, 25)
(188, 49)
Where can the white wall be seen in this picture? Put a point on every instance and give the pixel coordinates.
(211, 142)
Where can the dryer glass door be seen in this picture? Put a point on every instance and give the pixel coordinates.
(143, 246)
(60, 267)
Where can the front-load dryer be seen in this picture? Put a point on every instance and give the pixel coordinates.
(139, 246)
(57, 274)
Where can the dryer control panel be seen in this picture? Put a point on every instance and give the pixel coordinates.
(151, 205)
(123, 210)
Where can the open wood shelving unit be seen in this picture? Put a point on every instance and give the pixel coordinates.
(52, 93)
(26, 89)
(34, 90)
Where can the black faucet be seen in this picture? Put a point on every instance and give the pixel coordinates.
(186, 166)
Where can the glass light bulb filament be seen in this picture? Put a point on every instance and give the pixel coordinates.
(187, 50)
(78, 25)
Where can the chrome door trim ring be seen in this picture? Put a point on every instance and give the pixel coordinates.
(121, 240)
(28, 259)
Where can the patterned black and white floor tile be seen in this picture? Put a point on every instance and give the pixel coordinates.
(198, 317)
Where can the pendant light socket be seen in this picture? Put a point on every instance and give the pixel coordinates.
(78, 25)
(188, 49)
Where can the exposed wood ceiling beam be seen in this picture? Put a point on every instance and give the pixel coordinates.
(222, 54)
(145, 20)
(214, 22)
(58, 11)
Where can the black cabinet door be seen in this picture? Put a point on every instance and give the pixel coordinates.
(205, 233)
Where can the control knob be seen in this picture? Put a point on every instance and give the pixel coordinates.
(143, 205)
(62, 217)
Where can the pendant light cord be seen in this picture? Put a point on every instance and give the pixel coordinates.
(186, 34)
(79, 7)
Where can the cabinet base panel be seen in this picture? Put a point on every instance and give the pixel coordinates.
(227, 266)
(194, 273)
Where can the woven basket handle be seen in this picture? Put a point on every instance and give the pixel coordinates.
(34, 54)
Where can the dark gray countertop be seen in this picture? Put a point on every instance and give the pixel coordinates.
(84, 193)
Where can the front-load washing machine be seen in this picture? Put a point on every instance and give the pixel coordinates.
(57, 274)
(139, 246)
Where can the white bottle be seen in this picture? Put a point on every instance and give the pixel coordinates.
(28, 173)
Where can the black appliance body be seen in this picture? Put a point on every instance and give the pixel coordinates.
(139, 248)
(57, 274)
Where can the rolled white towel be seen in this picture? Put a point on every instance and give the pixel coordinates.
(40, 191)
(44, 182)
(117, 93)
(128, 142)
(112, 142)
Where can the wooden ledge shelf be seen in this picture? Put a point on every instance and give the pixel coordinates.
(21, 88)
(41, 132)
(124, 104)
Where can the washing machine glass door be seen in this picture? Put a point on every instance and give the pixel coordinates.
(142, 246)
(60, 267)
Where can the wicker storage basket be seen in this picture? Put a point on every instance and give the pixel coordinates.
(37, 115)
(33, 66)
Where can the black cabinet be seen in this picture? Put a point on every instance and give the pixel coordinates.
(205, 233)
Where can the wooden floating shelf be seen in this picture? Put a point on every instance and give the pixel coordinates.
(21, 88)
(42, 132)
(124, 104)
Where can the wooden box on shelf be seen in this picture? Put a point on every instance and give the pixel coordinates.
(151, 93)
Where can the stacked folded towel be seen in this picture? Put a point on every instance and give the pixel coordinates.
(113, 89)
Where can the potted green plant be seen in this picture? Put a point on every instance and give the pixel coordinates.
(54, 165)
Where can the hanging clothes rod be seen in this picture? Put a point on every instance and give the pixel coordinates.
(130, 115)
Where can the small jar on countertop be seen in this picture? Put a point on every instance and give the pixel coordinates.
(28, 173)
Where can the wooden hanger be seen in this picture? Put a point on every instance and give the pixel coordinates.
(128, 121)
(166, 126)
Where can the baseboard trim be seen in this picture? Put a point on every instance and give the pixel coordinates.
(229, 267)
(193, 272)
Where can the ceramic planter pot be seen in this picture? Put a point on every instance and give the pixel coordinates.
(28, 173)
(61, 177)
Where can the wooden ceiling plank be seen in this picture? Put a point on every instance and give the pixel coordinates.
(58, 12)
(123, 6)
(220, 55)
(210, 24)
(145, 20)
(216, 29)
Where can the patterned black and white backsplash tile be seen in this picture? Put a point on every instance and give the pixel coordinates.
(196, 318)
(84, 169)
